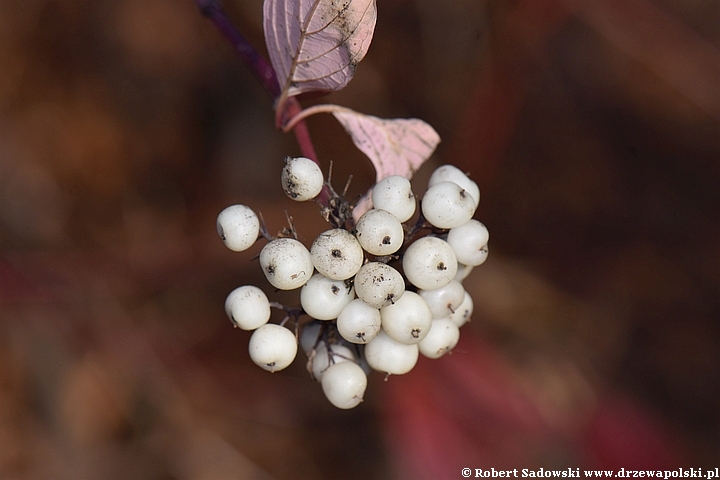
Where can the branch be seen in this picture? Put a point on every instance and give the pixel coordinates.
(265, 74)
(260, 67)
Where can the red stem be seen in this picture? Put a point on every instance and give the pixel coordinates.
(267, 77)
(291, 107)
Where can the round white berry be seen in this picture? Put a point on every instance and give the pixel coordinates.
(337, 254)
(408, 319)
(364, 365)
(324, 298)
(463, 272)
(248, 307)
(358, 322)
(379, 232)
(344, 384)
(394, 194)
(286, 263)
(445, 300)
(463, 312)
(469, 241)
(483, 254)
(447, 205)
(302, 178)
(384, 354)
(238, 226)
(272, 347)
(310, 335)
(442, 338)
(429, 263)
(325, 356)
(378, 284)
(450, 173)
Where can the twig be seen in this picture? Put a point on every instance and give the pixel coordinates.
(265, 74)
(260, 67)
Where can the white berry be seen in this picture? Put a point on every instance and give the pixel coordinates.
(442, 338)
(272, 347)
(463, 312)
(384, 354)
(430, 263)
(337, 254)
(344, 384)
(469, 241)
(248, 307)
(445, 300)
(408, 319)
(359, 322)
(447, 205)
(238, 226)
(378, 284)
(301, 178)
(450, 173)
(379, 232)
(361, 316)
(324, 298)
(325, 356)
(463, 272)
(394, 194)
(286, 263)
(310, 335)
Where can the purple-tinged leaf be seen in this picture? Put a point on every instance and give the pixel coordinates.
(397, 146)
(315, 45)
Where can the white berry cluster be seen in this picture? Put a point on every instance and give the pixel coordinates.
(378, 292)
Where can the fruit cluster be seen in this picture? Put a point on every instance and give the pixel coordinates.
(377, 291)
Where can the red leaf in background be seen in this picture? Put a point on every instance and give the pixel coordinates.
(315, 45)
(463, 410)
(621, 435)
(473, 409)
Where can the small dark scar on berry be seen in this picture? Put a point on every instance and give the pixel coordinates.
(270, 269)
(386, 240)
(335, 290)
(415, 332)
(390, 298)
(360, 336)
(336, 253)
(441, 266)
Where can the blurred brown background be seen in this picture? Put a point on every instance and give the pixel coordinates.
(592, 128)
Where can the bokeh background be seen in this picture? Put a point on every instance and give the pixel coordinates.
(592, 128)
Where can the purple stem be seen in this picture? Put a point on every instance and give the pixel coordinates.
(265, 74)
(260, 67)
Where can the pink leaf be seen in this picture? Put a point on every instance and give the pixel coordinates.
(397, 146)
(315, 45)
